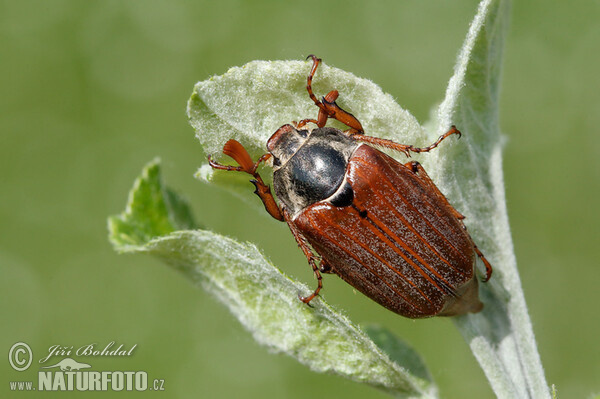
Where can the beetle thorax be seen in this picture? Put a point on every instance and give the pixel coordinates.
(309, 166)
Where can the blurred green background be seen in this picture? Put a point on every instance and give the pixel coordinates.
(93, 90)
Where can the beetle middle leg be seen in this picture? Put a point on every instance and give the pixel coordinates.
(237, 151)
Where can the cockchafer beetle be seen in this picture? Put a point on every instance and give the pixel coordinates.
(382, 226)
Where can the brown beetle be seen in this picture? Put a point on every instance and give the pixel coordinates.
(382, 226)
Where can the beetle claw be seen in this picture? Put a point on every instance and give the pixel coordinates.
(456, 131)
(306, 300)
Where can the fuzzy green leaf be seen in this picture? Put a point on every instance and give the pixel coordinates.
(260, 295)
(152, 211)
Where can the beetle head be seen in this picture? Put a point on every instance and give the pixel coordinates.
(284, 143)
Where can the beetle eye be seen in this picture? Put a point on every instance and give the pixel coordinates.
(276, 161)
(303, 133)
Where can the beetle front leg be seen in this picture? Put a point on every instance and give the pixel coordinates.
(237, 151)
(309, 256)
(264, 193)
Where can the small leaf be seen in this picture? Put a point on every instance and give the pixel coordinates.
(151, 211)
(260, 295)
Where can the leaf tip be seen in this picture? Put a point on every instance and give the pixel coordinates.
(152, 210)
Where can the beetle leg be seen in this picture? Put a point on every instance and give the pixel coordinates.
(327, 105)
(316, 62)
(488, 266)
(453, 130)
(309, 256)
(264, 193)
(236, 151)
(383, 143)
(405, 148)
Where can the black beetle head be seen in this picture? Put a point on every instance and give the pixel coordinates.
(284, 143)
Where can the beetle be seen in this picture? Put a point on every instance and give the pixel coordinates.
(382, 226)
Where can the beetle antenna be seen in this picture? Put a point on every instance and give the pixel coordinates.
(237, 151)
